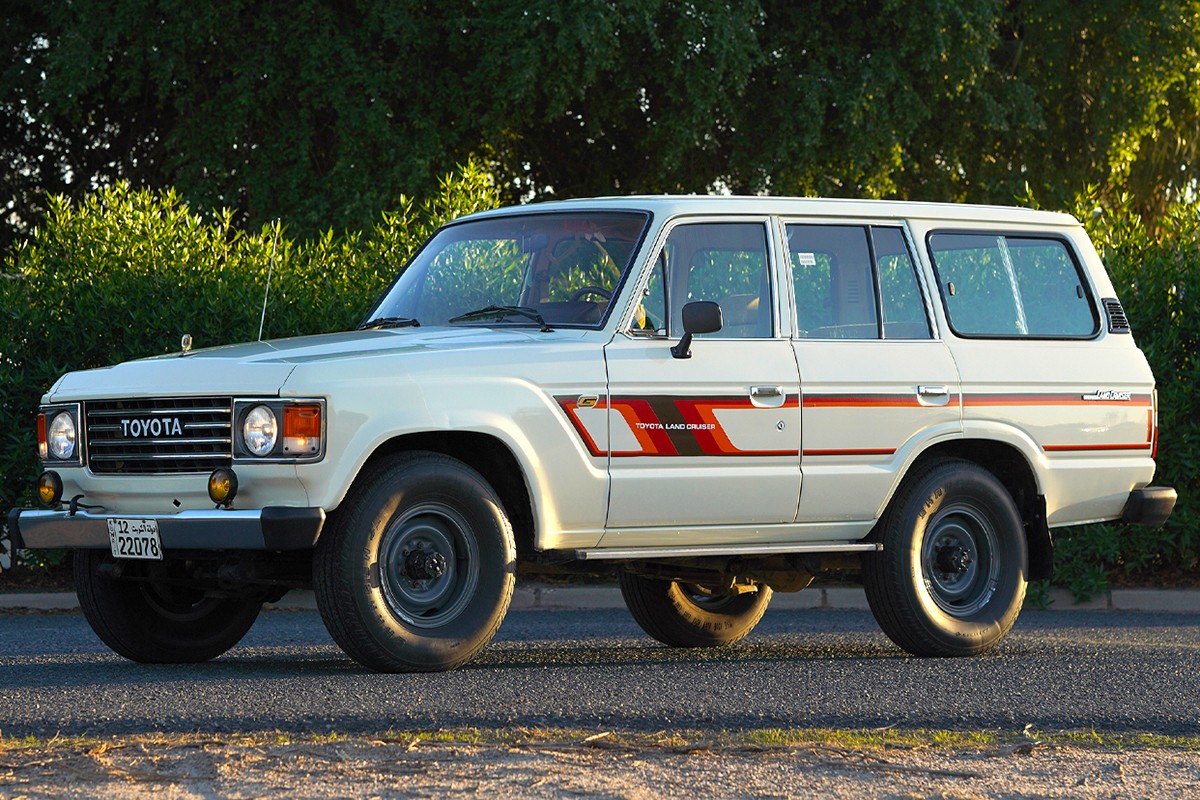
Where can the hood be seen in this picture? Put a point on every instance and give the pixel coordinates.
(263, 367)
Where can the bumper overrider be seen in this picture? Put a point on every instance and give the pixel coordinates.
(271, 528)
(1149, 506)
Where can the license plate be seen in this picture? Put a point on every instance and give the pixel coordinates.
(134, 538)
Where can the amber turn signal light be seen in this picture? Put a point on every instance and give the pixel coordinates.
(301, 429)
(222, 486)
(43, 446)
(49, 488)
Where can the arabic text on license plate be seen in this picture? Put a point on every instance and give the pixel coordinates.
(134, 538)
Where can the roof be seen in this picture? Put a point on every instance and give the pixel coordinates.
(675, 205)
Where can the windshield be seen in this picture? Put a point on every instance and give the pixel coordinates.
(551, 269)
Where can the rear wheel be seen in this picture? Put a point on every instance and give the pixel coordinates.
(418, 571)
(147, 617)
(951, 578)
(692, 615)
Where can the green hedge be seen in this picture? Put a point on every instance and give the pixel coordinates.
(1157, 276)
(127, 272)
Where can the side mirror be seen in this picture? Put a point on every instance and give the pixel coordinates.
(699, 316)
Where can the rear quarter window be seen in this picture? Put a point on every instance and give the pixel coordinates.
(1012, 286)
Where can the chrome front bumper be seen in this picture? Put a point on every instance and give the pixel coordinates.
(271, 528)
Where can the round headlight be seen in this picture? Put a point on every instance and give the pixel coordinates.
(60, 436)
(260, 430)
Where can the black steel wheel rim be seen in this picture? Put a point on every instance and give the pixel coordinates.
(428, 565)
(959, 560)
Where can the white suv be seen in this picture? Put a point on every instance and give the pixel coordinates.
(721, 396)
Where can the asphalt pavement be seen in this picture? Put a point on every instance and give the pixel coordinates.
(1111, 671)
(533, 595)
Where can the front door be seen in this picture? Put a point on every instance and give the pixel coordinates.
(711, 440)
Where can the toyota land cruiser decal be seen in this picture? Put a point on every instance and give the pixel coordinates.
(674, 426)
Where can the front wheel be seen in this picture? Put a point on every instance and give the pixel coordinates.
(151, 617)
(692, 615)
(418, 571)
(951, 577)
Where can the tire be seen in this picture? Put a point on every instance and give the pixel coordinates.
(418, 570)
(686, 615)
(951, 577)
(156, 622)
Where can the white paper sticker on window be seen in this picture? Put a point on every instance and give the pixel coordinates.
(806, 259)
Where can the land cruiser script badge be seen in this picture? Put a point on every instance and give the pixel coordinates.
(1107, 394)
(159, 426)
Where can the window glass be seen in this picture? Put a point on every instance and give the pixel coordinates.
(833, 281)
(996, 285)
(1051, 289)
(722, 262)
(651, 313)
(472, 273)
(563, 266)
(903, 307)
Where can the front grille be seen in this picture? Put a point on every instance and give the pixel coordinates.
(159, 435)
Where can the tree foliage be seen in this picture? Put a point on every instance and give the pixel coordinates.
(325, 112)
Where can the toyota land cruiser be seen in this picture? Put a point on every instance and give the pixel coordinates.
(719, 396)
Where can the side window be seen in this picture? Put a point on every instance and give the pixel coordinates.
(1051, 289)
(833, 281)
(847, 278)
(1011, 286)
(903, 307)
(723, 262)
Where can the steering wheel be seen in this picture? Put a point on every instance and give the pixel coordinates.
(584, 291)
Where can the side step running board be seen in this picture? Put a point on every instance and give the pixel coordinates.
(633, 553)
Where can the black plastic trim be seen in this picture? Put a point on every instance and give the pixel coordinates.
(1149, 506)
(286, 528)
(14, 530)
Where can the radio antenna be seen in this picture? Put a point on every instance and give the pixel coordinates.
(270, 268)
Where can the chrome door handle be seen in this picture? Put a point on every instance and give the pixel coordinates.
(933, 391)
(764, 392)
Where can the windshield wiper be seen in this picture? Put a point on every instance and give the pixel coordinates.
(504, 311)
(389, 322)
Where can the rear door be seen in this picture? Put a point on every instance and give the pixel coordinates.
(877, 384)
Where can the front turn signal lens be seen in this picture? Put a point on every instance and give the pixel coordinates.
(222, 486)
(49, 488)
(43, 443)
(301, 429)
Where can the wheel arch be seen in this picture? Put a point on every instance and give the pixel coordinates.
(487, 455)
(1010, 466)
